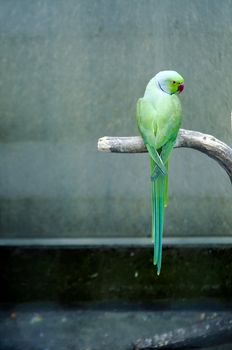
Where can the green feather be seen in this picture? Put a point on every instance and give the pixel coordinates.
(166, 186)
(160, 190)
(158, 201)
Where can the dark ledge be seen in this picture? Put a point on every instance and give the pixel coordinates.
(114, 274)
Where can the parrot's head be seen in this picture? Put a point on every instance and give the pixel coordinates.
(170, 82)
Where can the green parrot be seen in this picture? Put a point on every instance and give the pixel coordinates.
(159, 118)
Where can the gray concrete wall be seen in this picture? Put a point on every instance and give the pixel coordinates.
(70, 72)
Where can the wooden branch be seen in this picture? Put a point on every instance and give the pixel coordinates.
(211, 332)
(204, 143)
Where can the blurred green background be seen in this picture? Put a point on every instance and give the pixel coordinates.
(71, 72)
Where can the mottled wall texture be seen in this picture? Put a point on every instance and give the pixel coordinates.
(71, 72)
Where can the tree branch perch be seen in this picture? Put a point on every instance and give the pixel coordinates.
(204, 143)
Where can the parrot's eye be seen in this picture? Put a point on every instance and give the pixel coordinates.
(174, 82)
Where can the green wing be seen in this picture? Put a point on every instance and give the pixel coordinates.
(165, 154)
(147, 123)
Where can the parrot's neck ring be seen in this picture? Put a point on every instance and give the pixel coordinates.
(169, 93)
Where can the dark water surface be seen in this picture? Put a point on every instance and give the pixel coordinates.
(96, 327)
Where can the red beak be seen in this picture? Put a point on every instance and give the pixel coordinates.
(181, 87)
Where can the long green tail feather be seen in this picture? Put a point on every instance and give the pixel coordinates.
(152, 164)
(166, 186)
(157, 225)
(159, 187)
